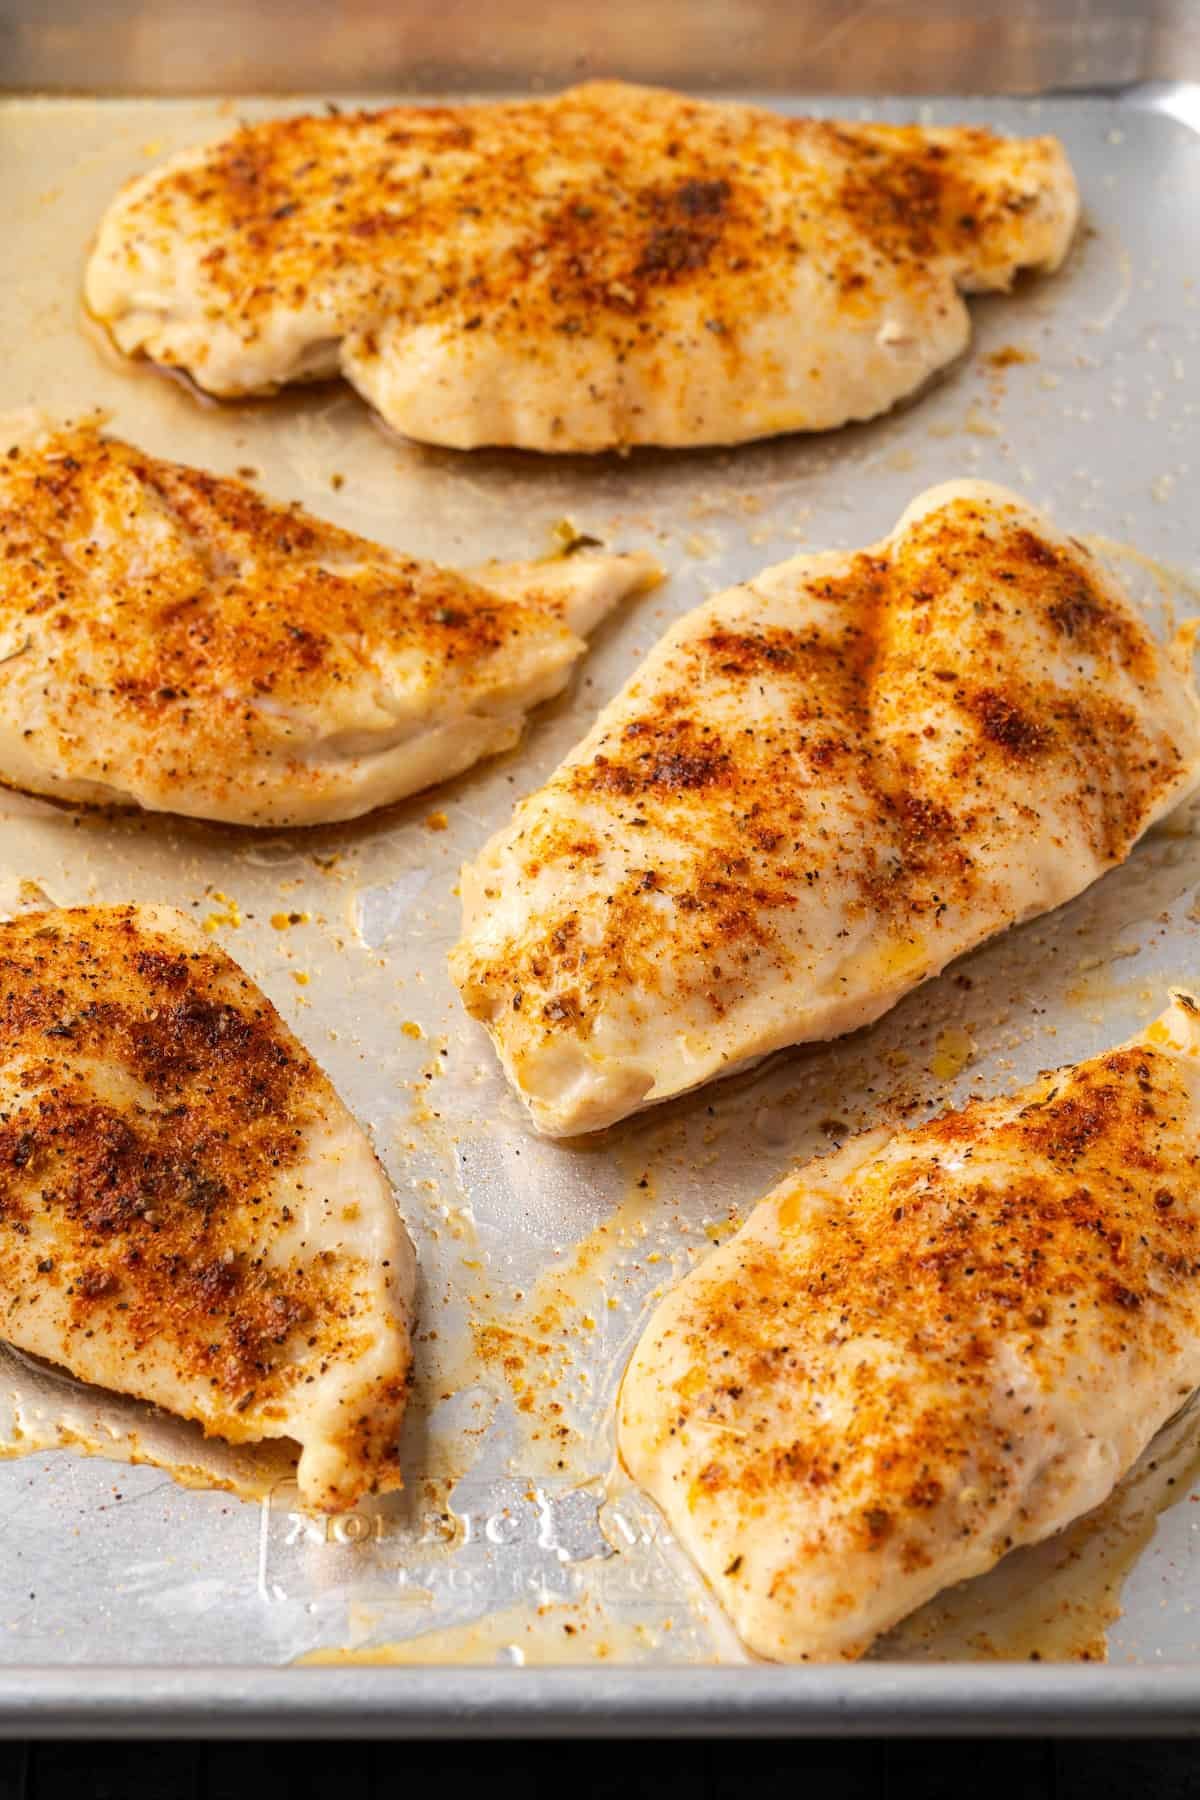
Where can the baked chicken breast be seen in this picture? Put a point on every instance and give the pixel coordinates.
(188, 1213)
(929, 1348)
(169, 639)
(617, 265)
(817, 790)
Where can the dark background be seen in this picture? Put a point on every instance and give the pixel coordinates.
(618, 1769)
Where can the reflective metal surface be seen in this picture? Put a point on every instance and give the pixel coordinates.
(514, 1542)
(409, 46)
(568, 1703)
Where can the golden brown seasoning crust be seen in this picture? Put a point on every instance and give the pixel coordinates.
(818, 790)
(169, 637)
(930, 1347)
(497, 255)
(179, 1191)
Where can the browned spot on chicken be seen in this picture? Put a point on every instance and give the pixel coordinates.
(1005, 723)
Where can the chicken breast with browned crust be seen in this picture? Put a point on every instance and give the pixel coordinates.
(188, 1213)
(817, 790)
(617, 265)
(171, 640)
(929, 1348)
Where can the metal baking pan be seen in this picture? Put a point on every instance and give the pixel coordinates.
(129, 1602)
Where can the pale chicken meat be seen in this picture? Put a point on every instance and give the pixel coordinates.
(614, 266)
(188, 1213)
(818, 789)
(929, 1348)
(170, 640)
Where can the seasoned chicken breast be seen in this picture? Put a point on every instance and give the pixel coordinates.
(930, 1347)
(188, 1213)
(170, 639)
(618, 265)
(818, 789)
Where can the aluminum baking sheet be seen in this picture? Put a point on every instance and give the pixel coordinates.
(515, 1542)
